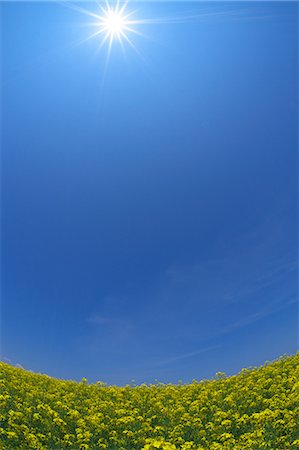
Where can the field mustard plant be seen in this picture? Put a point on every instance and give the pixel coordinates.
(256, 409)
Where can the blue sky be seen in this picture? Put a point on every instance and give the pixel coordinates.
(149, 217)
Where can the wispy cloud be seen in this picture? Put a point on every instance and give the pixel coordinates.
(194, 306)
(188, 355)
(97, 319)
(255, 317)
(255, 277)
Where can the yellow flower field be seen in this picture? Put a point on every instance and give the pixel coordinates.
(256, 409)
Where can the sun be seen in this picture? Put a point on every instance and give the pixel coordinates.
(115, 23)
(112, 22)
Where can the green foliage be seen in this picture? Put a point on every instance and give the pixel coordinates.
(257, 409)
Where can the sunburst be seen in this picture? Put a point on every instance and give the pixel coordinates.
(116, 22)
(113, 22)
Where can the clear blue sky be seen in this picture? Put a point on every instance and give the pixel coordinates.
(149, 220)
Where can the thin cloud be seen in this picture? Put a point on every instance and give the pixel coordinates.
(183, 356)
(104, 320)
(255, 317)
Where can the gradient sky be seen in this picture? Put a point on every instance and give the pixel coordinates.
(149, 218)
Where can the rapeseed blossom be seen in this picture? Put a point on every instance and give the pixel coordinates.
(256, 409)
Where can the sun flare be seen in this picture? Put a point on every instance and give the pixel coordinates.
(115, 22)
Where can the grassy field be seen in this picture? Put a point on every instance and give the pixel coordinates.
(256, 409)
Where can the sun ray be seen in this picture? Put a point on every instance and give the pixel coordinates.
(116, 23)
